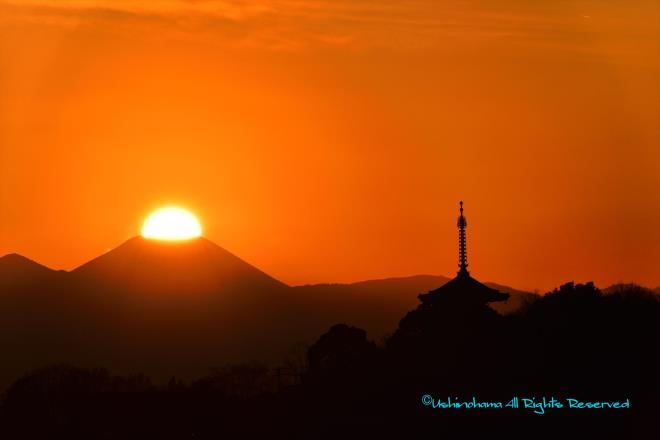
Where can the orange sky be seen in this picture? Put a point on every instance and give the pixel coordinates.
(330, 140)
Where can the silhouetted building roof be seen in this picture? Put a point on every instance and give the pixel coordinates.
(463, 289)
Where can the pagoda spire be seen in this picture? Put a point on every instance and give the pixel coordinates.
(462, 248)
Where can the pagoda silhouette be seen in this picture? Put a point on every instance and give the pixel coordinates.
(463, 289)
(455, 317)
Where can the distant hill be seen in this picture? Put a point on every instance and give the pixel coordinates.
(16, 269)
(517, 298)
(378, 305)
(179, 308)
(630, 288)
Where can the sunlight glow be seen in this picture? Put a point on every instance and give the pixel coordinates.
(171, 223)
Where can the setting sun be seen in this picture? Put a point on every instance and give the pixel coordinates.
(171, 223)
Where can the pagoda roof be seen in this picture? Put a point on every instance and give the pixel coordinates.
(463, 289)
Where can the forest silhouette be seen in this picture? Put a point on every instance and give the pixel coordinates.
(573, 342)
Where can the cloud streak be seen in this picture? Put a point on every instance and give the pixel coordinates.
(357, 24)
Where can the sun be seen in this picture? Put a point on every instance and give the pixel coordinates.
(171, 223)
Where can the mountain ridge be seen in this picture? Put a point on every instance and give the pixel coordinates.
(132, 307)
(191, 265)
(17, 262)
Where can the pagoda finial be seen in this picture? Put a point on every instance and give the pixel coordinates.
(462, 249)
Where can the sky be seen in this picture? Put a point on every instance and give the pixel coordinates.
(331, 140)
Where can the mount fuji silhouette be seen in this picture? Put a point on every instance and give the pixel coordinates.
(188, 267)
(180, 308)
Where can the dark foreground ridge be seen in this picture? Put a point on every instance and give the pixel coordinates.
(575, 342)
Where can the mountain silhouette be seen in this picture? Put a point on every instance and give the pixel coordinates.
(16, 269)
(159, 307)
(165, 308)
(195, 266)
